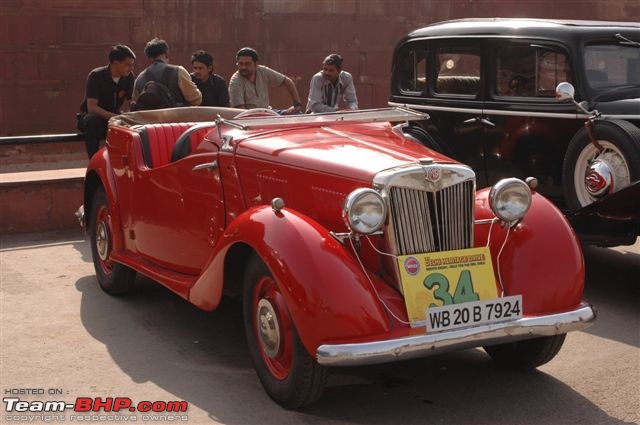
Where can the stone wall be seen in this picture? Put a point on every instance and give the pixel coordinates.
(47, 47)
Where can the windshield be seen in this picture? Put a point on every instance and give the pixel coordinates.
(612, 65)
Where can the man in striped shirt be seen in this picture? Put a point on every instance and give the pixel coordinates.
(332, 88)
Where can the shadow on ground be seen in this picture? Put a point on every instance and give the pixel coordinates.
(613, 286)
(202, 358)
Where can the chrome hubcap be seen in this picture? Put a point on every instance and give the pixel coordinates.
(102, 240)
(599, 173)
(598, 179)
(268, 328)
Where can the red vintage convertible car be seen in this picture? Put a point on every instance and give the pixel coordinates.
(349, 242)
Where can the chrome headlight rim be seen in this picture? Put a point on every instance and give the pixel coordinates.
(501, 199)
(353, 220)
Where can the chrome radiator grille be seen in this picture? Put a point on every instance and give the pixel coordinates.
(426, 221)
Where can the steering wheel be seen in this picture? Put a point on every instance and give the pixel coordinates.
(257, 112)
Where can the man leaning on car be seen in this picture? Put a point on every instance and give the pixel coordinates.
(332, 88)
(249, 85)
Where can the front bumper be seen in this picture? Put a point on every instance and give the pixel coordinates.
(436, 343)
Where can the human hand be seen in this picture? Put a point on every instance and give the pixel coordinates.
(293, 110)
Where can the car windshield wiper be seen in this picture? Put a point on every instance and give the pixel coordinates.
(625, 41)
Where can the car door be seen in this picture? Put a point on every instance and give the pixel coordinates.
(443, 78)
(179, 212)
(526, 130)
(455, 98)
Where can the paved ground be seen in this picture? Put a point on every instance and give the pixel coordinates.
(59, 332)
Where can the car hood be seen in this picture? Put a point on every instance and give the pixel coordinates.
(353, 151)
(619, 107)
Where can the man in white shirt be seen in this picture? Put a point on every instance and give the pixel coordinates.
(332, 88)
(249, 85)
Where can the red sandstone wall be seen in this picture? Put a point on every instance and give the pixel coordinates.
(47, 47)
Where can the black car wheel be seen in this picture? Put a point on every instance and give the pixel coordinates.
(527, 354)
(114, 278)
(289, 375)
(590, 174)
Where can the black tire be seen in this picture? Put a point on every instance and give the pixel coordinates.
(288, 373)
(621, 141)
(114, 278)
(421, 135)
(527, 354)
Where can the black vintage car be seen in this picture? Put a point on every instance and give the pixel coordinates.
(490, 88)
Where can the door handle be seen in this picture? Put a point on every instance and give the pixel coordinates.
(487, 122)
(480, 120)
(205, 166)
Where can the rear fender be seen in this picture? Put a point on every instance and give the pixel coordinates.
(328, 295)
(541, 259)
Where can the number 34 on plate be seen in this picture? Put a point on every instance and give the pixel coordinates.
(439, 279)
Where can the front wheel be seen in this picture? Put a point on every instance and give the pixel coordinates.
(114, 278)
(527, 354)
(589, 174)
(289, 375)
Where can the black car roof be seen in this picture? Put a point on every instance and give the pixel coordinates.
(548, 28)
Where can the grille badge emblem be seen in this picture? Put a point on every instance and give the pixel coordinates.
(433, 174)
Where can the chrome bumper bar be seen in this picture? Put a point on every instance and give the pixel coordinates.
(436, 343)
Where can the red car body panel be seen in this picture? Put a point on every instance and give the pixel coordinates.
(178, 226)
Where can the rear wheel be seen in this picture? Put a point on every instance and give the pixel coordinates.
(114, 278)
(527, 354)
(289, 375)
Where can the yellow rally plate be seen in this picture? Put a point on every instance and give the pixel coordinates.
(438, 279)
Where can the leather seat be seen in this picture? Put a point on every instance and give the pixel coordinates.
(189, 140)
(158, 141)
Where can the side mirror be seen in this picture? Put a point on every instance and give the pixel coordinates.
(565, 91)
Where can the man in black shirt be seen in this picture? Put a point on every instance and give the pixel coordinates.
(109, 90)
(213, 87)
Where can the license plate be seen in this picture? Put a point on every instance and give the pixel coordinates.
(475, 313)
(438, 279)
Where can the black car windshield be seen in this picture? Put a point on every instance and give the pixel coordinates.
(612, 65)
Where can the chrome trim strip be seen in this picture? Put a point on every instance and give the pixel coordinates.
(485, 221)
(329, 118)
(413, 176)
(510, 113)
(440, 342)
(492, 111)
(536, 114)
(621, 117)
(436, 108)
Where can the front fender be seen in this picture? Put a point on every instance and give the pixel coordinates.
(99, 174)
(541, 259)
(327, 293)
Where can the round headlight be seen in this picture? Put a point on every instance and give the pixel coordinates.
(364, 211)
(510, 199)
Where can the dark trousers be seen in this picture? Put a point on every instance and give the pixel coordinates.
(94, 128)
